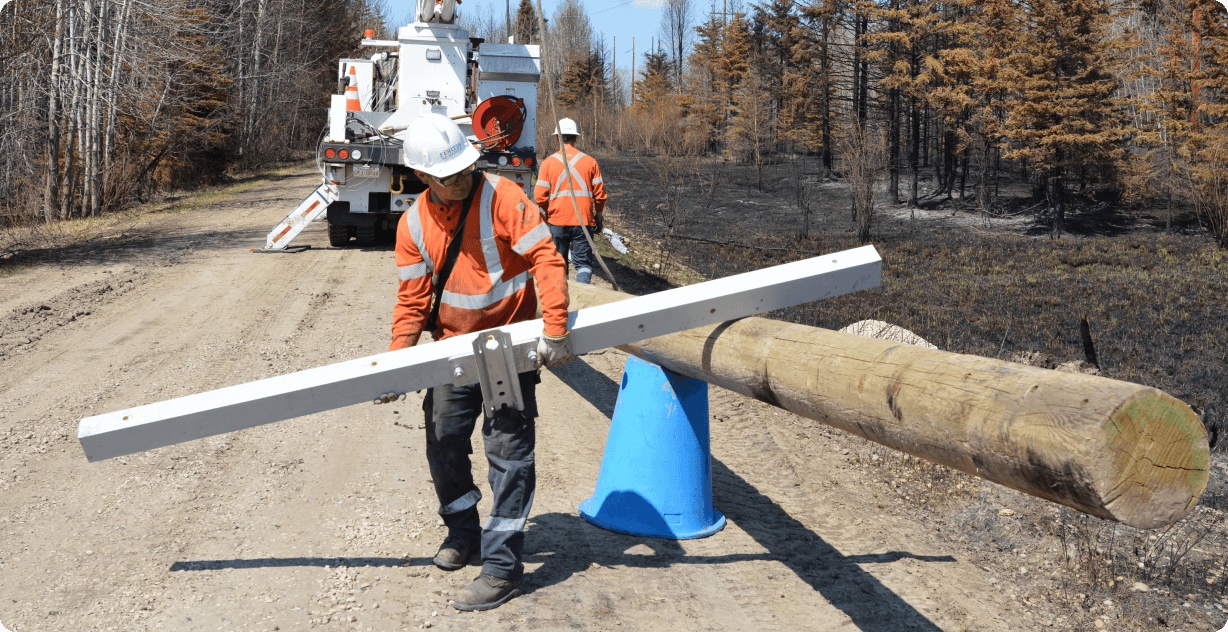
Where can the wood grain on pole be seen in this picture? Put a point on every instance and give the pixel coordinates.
(1112, 449)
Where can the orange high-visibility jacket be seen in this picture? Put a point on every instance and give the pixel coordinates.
(505, 239)
(553, 188)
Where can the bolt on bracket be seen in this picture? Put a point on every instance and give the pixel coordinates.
(496, 364)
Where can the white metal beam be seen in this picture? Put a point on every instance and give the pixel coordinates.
(365, 379)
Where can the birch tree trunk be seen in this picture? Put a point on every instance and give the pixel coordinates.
(104, 14)
(51, 195)
(257, 58)
(117, 48)
(72, 115)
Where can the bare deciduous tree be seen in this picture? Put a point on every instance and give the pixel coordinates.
(677, 31)
(863, 152)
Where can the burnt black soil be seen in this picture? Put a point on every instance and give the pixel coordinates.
(995, 284)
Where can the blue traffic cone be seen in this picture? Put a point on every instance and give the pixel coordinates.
(656, 475)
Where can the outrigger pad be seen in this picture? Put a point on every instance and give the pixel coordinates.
(287, 250)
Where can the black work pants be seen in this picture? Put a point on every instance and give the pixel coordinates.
(509, 437)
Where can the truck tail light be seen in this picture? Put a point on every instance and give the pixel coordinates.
(516, 161)
(528, 162)
(330, 152)
(345, 153)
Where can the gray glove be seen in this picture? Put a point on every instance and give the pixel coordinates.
(553, 351)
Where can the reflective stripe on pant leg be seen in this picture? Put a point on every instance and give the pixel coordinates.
(583, 254)
(451, 413)
(509, 438)
(460, 504)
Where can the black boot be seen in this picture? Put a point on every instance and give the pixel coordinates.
(486, 592)
(454, 553)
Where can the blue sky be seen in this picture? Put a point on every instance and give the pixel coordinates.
(622, 19)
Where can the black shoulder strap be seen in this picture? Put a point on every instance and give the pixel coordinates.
(453, 251)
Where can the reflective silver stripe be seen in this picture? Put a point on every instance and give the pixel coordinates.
(462, 503)
(579, 194)
(543, 184)
(598, 180)
(481, 301)
(490, 249)
(531, 238)
(575, 175)
(504, 524)
(582, 186)
(413, 220)
(411, 272)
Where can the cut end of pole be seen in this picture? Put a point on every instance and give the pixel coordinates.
(1158, 448)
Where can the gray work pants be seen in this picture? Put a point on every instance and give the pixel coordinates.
(451, 413)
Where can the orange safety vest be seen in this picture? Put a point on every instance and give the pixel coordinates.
(505, 240)
(554, 186)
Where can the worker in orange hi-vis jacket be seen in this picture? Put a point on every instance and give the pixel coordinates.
(505, 246)
(556, 180)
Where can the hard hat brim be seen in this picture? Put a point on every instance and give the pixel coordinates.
(455, 165)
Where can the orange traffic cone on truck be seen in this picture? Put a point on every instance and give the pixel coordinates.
(352, 103)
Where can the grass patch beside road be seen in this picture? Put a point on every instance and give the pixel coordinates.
(24, 246)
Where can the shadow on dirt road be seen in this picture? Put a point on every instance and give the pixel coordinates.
(838, 578)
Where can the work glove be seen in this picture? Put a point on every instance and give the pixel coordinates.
(553, 351)
(600, 224)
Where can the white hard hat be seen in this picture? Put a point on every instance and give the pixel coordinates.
(434, 144)
(567, 127)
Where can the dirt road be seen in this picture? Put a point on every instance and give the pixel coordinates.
(329, 521)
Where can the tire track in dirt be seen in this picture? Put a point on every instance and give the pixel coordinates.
(26, 325)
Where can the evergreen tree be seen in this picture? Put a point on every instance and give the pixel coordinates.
(815, 61)
(1063, 118)
(1190, 110)
(583, 80)
(705, 105)
(655, 83)
(732, 61)
(780, 28)
(526, 28)
(751, 131)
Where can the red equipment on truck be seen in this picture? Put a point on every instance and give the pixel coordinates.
(490, 90)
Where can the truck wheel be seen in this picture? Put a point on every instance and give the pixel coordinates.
(365, 235)
(338, 236)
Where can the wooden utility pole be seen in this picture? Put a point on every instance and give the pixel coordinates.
(632, 97)
(1115, 450)
(508, 7)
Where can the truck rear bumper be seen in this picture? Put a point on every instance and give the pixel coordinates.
(339, 215)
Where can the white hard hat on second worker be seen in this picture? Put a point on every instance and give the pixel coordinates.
(435, 144)
(567, 127)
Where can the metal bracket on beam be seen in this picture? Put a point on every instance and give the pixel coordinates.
(464, 368)
(495, 358)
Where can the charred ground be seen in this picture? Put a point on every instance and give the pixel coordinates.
(996, 284)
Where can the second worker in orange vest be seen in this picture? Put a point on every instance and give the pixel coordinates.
(556, 180)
